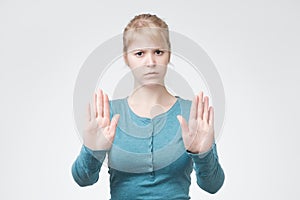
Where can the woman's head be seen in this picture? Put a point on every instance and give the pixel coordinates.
(146, 48)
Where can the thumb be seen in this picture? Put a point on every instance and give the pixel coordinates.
(183, 124)
(114, 122)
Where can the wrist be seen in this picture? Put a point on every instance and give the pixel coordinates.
(200, 150)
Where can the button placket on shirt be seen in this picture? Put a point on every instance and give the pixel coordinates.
(151, 147)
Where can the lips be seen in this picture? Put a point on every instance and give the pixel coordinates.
(150, 73)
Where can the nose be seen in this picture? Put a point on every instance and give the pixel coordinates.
(150, 60)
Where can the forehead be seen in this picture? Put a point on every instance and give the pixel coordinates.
(144, 44)
(146, 40)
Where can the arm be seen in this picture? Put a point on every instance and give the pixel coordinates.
(198, 137)
(86, 168)
(98, 137)
(209, 173)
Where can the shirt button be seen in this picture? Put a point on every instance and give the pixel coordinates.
(152, 174)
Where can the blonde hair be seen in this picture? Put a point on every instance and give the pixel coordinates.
(146, 24)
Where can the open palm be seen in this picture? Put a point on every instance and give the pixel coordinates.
(100, 131)
(198, 133)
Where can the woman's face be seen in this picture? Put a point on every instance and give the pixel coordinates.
(147, 60)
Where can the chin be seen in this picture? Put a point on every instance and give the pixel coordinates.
(152, 84)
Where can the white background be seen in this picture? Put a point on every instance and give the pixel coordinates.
(254, 44)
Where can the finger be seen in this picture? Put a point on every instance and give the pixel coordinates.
(183, 124)
(100, 103)
(193, 110)
(113, 124)
(200, 106)
(94, 107)
(211, 116)
(205, 111)
(106, 107)
(89, 112)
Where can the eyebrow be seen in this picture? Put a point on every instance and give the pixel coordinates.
(144, 48)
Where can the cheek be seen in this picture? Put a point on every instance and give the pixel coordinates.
(137, 71)
(164, 70)
(165, 60)
(163, 63)
(133, 62)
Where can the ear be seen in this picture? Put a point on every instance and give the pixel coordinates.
(125, 58)
(169, 57)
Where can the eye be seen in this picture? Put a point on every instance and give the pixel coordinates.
(139, 54)
(159, 52)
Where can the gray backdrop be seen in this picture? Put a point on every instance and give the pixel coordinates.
(254, 44)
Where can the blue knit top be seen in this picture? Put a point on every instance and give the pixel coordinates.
(148, 159)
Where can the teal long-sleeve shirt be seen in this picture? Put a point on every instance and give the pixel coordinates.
(148, 159)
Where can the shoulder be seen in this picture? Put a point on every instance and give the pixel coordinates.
(185, 103)
(117, 101)
(185, 106)
(117, 105)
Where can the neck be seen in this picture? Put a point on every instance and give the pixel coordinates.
(150, 94)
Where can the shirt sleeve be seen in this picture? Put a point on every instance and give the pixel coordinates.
(86, 168)
(209, 173)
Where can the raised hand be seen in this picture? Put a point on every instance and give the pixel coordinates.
(198, 134)
(100, 131)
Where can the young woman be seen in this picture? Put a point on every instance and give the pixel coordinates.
(153, 139)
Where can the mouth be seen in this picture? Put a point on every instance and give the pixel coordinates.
(151, 73)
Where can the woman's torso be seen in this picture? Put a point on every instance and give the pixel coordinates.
(148, 155)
